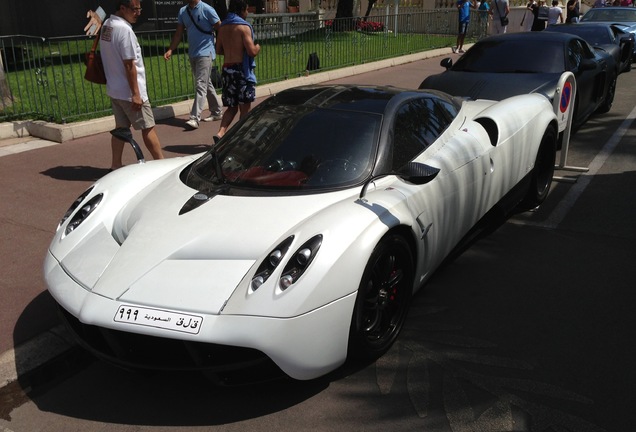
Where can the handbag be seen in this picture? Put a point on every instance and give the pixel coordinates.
(503, 19)
(94, 66)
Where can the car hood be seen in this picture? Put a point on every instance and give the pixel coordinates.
(152, 255)
(493, 86)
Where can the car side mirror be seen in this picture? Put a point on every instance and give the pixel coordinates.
(417, 173)
(446, 63)
(413, 172)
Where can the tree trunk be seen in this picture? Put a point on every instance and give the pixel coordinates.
(344, 16)
(369, 7)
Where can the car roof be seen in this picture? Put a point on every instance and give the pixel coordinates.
(531, 36)
(350, 97)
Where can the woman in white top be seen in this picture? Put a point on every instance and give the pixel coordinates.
(555, 13)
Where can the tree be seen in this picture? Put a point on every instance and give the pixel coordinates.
(344, 16)
(369, 7)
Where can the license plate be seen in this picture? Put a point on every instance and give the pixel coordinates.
(163, 319)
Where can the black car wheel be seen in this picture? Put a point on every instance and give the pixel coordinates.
(383, 299)
(543, 171)
(609, 97)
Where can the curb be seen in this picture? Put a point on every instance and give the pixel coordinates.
(59, 133)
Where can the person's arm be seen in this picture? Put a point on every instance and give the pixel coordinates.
(131, 77)
(251, 48)
(218, 46)
(97, 17)
(174, 43)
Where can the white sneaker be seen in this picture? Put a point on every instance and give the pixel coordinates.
(193, 123)
(213, 117)
(461, 51)
(454, 49)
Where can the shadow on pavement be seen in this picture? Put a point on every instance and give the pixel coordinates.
(76, 173)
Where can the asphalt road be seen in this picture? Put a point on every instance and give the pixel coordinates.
(530, 329)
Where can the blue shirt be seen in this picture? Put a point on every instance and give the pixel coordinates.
(464, 11)
(199, 44)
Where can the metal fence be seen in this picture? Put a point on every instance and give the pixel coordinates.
(43, 78)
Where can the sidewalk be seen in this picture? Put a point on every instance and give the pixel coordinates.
(45, 166)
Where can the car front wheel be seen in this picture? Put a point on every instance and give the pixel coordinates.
(542, 172)
(609, 97)
(383, 299)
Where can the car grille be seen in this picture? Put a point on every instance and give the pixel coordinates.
(135, 351)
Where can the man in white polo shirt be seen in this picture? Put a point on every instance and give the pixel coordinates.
(126, 79)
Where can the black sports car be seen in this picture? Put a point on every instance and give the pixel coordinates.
(501, 66)
(609, 37)
(624, 17)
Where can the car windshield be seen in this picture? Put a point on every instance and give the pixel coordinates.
(593, 35)
(512, 56)
(292, 147)
(610, 15)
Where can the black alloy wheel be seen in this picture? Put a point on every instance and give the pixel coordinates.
(542, 172)
(383, 299)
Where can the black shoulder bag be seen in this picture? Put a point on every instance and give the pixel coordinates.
(503, 19)
(197, 25)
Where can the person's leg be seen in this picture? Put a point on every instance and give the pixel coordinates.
(120, 112)
(232, 83)
(463, 28)
(244, 109)
(247, 95)
(226, 120)
(145, 120)
(459, 32)
(151, 140)
(117, 148)
(201, 68)
(214, 105)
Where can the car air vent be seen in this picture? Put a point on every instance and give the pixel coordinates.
(491, 129)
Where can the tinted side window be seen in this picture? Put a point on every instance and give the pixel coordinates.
(575, 54)
(418, 124)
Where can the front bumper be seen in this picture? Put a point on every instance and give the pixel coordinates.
(304, 347)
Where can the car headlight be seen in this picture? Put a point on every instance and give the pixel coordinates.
(84, 211)
(300, 261)
(268, 265)
(73, 206)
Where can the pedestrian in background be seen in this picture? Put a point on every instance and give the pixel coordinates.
(572, 11)
(500, 11)
(463, 9)
(126, 79)
(235, 43)
(528, 16)
(484, 13)
(200, 21)
(555, 13)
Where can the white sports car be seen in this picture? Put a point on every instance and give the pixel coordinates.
(301, 236)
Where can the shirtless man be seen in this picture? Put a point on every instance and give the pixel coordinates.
(235, 41)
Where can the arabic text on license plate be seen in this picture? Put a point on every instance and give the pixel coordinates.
(158, 318)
